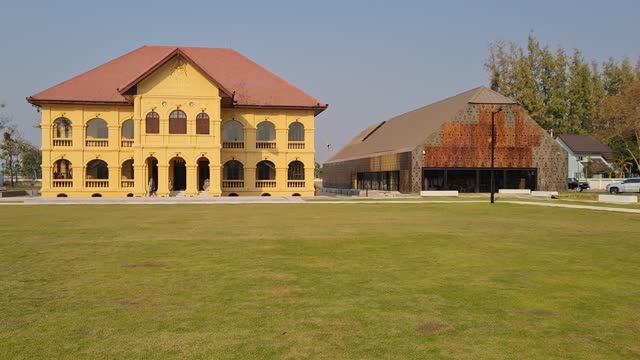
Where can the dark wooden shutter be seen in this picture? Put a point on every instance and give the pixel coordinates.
(202, 124)
(177, 122)
(152, 123)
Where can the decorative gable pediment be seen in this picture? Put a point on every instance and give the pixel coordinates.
(177, 77)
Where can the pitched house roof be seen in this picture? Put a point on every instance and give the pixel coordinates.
(247, 82)
(585, 144)
(405, 132)
(598, 166)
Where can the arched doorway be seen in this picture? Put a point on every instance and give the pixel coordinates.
(97, 174)
(97, 133)
(152, 173)
(177, 174)
(204, 179)
(265, 174)
(97, 170)
(265, 170)
(127, 172)
(62, 169)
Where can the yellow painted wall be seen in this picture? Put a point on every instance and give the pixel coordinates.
(176, 85)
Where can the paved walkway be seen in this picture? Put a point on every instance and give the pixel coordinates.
(276, 200)
(548, 204)
(571, 206)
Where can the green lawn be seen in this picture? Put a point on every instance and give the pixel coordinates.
(322, 281)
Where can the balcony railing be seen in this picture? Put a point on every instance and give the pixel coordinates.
(265, 145)
(296, 145)
(128, 183)
(62, 183)
(96, 183)
(62, 142)
(232, 184)
(265, 184)
(126, 143)
(295, 183)
(233, 145)
(97, 143)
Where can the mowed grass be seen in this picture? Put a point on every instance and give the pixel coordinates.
(322, 281)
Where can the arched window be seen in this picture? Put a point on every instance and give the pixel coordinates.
(62, 169)
(152, 123)
(62, 128)
(233, 170)
(296, 131)
(177, 122)
(97, 129)
(97, 169)
(266, 131)
(202, 124)
(127, 130)
(127, 170)
(296, 170)
(265, 170)
(232, 131)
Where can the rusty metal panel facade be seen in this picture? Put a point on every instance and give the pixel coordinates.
(520, 142)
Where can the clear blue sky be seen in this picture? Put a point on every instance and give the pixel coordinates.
(369, 60)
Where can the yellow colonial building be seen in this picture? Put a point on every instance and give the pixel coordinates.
(177, 121)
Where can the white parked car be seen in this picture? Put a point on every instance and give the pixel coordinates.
(625, 186)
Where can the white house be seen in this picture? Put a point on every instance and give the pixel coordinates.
(583, 150)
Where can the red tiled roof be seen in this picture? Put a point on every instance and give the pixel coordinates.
(251, 84)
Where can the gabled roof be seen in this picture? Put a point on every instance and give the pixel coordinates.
(250, 84)
(598, 166)
(405, 132)
(484, 95)
(586, 144)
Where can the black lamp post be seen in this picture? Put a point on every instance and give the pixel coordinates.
(493, 148)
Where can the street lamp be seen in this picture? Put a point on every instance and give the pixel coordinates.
(493, 149)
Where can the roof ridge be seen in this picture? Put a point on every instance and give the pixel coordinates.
(483, 90)
(436, 102)
(186, 47)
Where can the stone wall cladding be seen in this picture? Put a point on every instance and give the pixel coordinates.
(551, 161)
(416, 170)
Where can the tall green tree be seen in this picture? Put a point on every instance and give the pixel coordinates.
(599, 93)
(580, 95)
(554, 80)
(19, 156)
(30, 159)
(558, 91)
(616, 77)
(501, 66)
(10, 154)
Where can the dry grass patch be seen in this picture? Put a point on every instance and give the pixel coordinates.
(431, 328)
